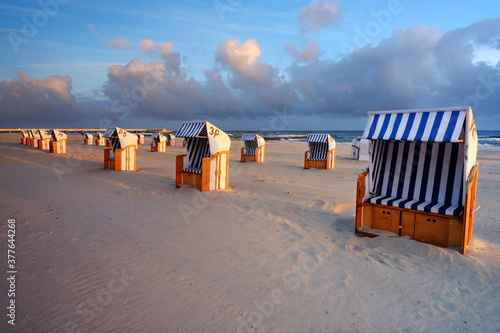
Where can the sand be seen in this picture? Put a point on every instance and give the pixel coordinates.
(105, 251)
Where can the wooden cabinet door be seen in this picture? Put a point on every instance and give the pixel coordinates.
(386, 219)
(432, 229)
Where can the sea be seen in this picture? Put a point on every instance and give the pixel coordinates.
(487, 140)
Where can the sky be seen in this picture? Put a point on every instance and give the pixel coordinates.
(244, 65)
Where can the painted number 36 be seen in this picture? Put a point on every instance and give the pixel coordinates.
(213, 132)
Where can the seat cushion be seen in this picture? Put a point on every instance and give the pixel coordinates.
(195, 170)
(423, 206)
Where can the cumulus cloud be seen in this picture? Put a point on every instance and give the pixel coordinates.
(318, 15)
(33, 101)
(165, 50)
(417, 67)
(310, 52)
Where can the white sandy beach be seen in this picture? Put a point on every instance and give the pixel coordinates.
(106, 251)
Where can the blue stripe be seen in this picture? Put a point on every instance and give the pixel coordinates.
(438, 172)
(436, 126)
(409, 124)
(317, 138)
(248, 137)
(373, 127)
(385, 126)
(397, 122)
(392, 170)
(451, 126)
(421, 127)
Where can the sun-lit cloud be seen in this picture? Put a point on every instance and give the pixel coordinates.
(240, 57)
(318, 15)
(115, 42)
(165, 51)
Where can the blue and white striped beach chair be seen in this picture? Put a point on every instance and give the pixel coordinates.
(122, 154)
(255, 148)
(59, 142)
(159, 143)
(321, 153)
(422, 175)
(206, 164)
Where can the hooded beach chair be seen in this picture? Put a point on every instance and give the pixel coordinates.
(29, 136)
(122, 154)
(89, 139)
(24, 137)
(321, 153)
(255, 148)
(422, 176)
(140, 139)
(360, 149)
(44, 141)
(170, 139)
(35, 136)
(159, 143)
(59, 141)
(99, 139)
(206, 164)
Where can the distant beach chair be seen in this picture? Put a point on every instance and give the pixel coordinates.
(206, 164)
(422, 175)
(140, 138)
(255, 148)
(35, 136)
(100, 140)
(59, 142)
(122, 154)
(24, 137)
(360, 149)
(89, 139)
(170, 139)
(321, 153)
(44, 141)
(159, 143)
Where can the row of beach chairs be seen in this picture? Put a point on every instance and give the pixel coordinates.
(420, 182)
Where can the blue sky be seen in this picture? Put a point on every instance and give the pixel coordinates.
(241, 63)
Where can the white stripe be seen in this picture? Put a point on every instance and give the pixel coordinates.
(414, 128)
(387, 167)
(458, 127)
(432, 173)
(428, 126)
(409, 165)
(402, 126)
(390, 127)
(381, 120)
(409, 203)
(420, 171)
(444, 125)
(368, 126)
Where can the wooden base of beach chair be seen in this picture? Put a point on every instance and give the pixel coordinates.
(34, 143)
(258, 157)
(125, 159)
(100, 142)
(24, 141)
(161, 148)
(108, 143)
(329, 164)
(171, 143)
(58, 147)
(214, 174)
(437, 229)
(88, 142)
(140, 141)
(44, 144)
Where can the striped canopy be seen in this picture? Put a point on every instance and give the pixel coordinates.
(218, 139)
(57, 135)
(120, 138)
(191, 130)
(254, 137)
(318, 137)
(436, 125)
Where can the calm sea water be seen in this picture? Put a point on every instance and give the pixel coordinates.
(488, 140)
